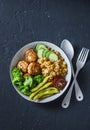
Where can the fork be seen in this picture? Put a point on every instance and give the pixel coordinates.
(79, 65)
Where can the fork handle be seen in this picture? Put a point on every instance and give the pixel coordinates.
(78, 92)
(66, 100)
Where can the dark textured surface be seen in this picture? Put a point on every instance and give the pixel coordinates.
(23, 21)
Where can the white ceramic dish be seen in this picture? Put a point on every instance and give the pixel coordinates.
(20, 54)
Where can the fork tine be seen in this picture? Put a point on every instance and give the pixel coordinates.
(80, 54)
(85, 55)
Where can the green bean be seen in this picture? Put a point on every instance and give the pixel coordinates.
(39, 89)
(41, 84)
(45, 93)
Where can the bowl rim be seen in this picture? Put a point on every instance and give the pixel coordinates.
(60, 50)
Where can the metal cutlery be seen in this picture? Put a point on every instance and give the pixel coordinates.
(79, 65)
(69, 50)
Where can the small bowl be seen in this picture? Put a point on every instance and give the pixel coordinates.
(20, 54)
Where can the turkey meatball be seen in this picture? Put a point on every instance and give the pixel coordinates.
(30, 55)
(23, 65)
(34, 68)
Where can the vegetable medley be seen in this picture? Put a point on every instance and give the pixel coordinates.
(41, 73)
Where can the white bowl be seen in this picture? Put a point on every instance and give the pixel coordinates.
(20, 54)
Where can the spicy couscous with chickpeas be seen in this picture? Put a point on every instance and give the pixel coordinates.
(41, 73)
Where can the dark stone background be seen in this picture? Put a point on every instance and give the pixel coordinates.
(24, 21)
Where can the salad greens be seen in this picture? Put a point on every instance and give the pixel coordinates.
(25, 84)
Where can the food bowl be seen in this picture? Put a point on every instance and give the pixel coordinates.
(19, 56)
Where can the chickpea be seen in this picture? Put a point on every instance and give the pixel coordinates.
(60, 71)
(56, 69)
(42, 65)
(45, 72)
(64, 65)
(64, 72)
(49, 69)
(45, 59)
(52, 66)
(53, 73)
(42, 60)
(57, 53)
(47, 63)
(57, 73)
(61, 59)
(57, 66)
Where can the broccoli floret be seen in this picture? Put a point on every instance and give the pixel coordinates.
(17, 76)
(38, 78)
(24, 90)
(16, 72)
(28, 81)
(20, 87)
(17, 79)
